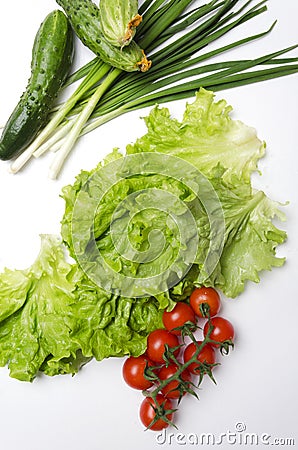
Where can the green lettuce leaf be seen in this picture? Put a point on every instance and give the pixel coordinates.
(93, 227)
(54, 319)
(251, 245)
(226, 152)
(14, 285)
(206, 136)
(39, 329)
(108, 325)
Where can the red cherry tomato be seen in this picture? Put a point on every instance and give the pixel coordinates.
(156, 342)
(205, 295)
(147, 412)
(171, 389)
(223, 330)
(133, 372)
(206, 355)
(181, 314)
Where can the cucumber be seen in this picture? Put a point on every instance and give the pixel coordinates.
(52, 56)
(85, 19)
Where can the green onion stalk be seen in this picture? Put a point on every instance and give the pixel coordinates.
(175, 36)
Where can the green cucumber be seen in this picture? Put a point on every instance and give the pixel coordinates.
(85, 19)
(52, 56)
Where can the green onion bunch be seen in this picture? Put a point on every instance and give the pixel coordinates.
(175, 35)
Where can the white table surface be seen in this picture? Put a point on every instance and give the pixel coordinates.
(257, 383)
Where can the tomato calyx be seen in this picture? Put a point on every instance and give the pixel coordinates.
(220, 333)
(162, 411)
(178, 316)
(204, 309)
(204, 356)
(162, 346)
(200, 297)
(176, 388)
(226, 346)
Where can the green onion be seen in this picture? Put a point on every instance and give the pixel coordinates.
(174, 36)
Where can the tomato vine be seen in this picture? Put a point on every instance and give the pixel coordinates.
(170, 374)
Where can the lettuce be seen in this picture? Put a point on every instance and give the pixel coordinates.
(109, 325)
(37, 330)
(54, 320)
(141, 262)
(206, 136)
(250, 246)
(177, 211)
(205, 162)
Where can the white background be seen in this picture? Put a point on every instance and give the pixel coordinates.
(257, 383)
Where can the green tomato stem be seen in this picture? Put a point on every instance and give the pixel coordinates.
(183, 385)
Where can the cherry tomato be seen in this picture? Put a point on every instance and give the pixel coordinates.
(133, 372)
(156, 342)
(205, 295)
(171, 389)
(206, 355)
(223, 330)
(181, 314)
(147, 412)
